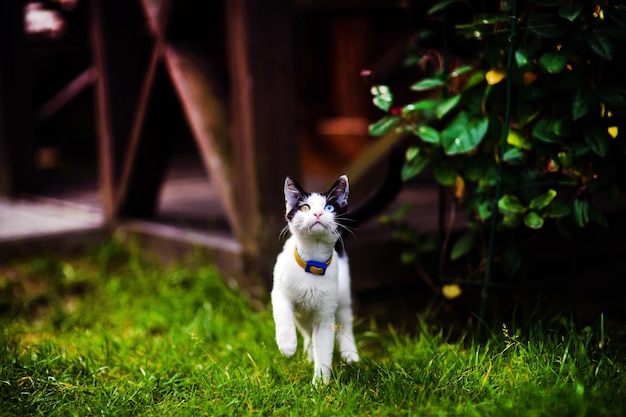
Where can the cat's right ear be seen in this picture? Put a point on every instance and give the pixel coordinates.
(293, 193)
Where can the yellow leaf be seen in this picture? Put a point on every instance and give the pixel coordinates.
(451, 291)
(515, 138)
(459, 188)
(494, 76)
(613, 131)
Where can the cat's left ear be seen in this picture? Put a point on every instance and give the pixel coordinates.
(339, 191)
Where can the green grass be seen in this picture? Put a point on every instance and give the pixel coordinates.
(113, 333)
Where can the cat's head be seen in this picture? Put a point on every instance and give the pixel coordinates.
(316, 213)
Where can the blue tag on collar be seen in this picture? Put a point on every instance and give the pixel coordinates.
(315, 267)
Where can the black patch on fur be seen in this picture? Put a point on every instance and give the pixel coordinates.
(303, 195)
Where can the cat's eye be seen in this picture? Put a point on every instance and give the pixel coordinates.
(330, 208)
(305, 207)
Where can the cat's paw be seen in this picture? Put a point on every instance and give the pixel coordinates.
(288, 348)
(350, 356)
(286, 340)
(320, 380)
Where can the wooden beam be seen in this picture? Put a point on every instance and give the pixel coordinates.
(130, 162)
(152, 148)
(261, 48)
(121, 54)
(103, 116)
(17, 148)
(207, 118)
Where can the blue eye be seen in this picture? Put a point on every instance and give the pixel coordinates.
(330, 208)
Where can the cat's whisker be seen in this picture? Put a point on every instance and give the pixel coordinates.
(283, 233)
(347, 229)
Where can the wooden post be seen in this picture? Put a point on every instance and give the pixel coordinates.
(121, 55)
(17, 167)
(260, 41)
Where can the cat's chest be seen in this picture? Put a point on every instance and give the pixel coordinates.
(306, 290)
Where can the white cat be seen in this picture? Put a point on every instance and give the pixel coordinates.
(312, 278)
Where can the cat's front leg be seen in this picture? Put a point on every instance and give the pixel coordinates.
(323, 339)
(286, 337)
(345, 334)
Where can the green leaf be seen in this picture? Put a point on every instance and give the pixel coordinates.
(597, 217)
(511, 220)
(383, 102)
(460, 71)
(414, 167)
(581, 212)
(553, 62)
(474, 168)
(408, 257)
(544, 131)
(445, 174)
(427, 84)
(476, 78)
(521, 58)
(463, 245)
(533, 220)
(597, 139)
(563, 127)
(510, 204)
(412, 153)
(570, 11)
(427, 134)
(600, 44)
(542, 23)
(543, 200)
(558, 209)
(384, 125)
(440, 6)
(584, 102)
(513, 155)
(397, 214)
(526, 114)
(447, 105)
(566, 157)
(484, 209)
(464, 134)
(382, 97)
(419, 106)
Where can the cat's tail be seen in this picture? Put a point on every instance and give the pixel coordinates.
(385, 194)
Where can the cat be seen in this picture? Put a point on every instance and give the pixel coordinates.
(311, 290)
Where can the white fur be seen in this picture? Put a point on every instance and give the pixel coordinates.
(319, 306)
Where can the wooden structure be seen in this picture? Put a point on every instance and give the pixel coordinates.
(153, 63)
(246, 162)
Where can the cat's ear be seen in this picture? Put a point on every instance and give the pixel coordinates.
(339, 191)
(293, 193)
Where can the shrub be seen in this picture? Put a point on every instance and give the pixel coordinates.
(528, 131)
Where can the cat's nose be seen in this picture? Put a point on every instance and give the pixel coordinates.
(318, 214)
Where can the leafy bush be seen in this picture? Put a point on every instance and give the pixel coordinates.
(530, 130)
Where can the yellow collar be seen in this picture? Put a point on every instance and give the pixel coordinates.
(312, 267)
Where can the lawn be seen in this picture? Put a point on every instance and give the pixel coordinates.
(114, 333)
